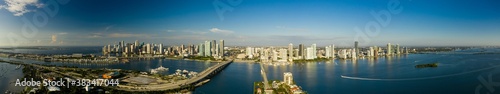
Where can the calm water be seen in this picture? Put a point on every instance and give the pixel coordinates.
(8, 75)
(456, 74)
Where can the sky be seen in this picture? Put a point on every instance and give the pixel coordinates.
(250, 22)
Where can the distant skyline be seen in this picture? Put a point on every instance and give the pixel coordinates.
(254, 22)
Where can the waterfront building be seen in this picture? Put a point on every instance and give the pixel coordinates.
(354, 55)
(314, 51)
(208, 48)
(201, 49)
(342, 53)
(249, 52)
(356, 47)
(160, 48)
(371, 52)
(288, 78)
(213, 48)
(389, 49)
(310, 53)
(333, 51)
(301, 51)
(221, 48)
(290, 50)
(216, 50)
(283, 54)
(275, 55)
(328, 52)
(397, 49)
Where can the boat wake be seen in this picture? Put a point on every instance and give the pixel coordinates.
(421, 78)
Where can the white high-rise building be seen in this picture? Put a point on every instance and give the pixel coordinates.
(288, 78)
(221, 48)
(290, 50)
(208, 48)
(275, 55)
(148, 48)
(217, 50)
(201, 49)
(314, 51)
(160, 48)
(283, 54)
(333, 51)
(310, 53)
(389, 49)
(328, 52)
(249, 52)
(371, 52)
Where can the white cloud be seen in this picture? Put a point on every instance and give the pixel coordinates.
(19, 7)
(217, 30)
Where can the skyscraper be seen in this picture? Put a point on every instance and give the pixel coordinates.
(333, 51)
(217, 50)
(356, 47)
(309, 53)
(397, 49)
(288, 78)
(389, 49)
(314, 51)
(213, 47)
(290, 50)
(201, 49)
(283, 54)
(301, 51)
(160, 48)
(221, 48)
(208, 48)
(328, 52)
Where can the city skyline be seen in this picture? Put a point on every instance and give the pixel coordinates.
(256, 23)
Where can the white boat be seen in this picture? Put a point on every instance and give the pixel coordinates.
(18, 66)
(185, 71)
(161, 68)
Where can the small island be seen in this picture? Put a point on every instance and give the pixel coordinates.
(427, 65)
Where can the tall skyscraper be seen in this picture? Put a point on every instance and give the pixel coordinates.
(389, 49)
(288, 78)
(356, 47)
(290, 50)
(160, 49)
(213, 47)
(328, 52)
(208, 48)
(148, 48)
(283, 54)
(301, 51)
(397, 49)
(309, 53)
(201, 49)
(314, 51)
(221, 48)
(333, 50)
(217, 50)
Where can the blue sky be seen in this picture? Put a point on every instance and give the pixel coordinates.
(253, 22)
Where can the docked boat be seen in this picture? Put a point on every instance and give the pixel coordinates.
(18, 66)
(159, 69)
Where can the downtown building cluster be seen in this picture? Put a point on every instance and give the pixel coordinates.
(207, 49)
(282, 54)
